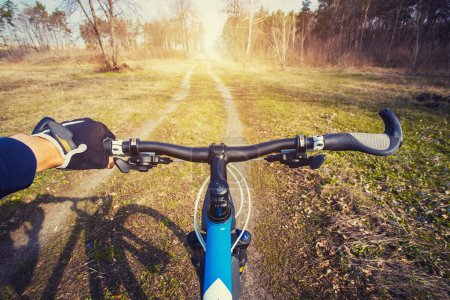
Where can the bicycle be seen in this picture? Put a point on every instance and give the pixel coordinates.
(220, 251)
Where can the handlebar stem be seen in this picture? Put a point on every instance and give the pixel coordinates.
(219, 206)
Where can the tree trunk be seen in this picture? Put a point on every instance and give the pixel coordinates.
(276, 45)
(284, 48)
(417, 39)
(112, 25)
(302, 49)
(302, 41)
(29, 30)
(249, 37)
(186, 40)
(294, 29)
(5, 42)
(56, 38)
(94, 25)
(363, 21)
(234, 46)
(415, 51)
(394, 30)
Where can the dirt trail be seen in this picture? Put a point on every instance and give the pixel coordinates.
(24, 243)
(252, 285)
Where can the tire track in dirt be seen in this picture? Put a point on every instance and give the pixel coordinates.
(252, 283)
(57, 215)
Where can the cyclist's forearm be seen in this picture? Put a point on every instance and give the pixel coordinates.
(17, 166)
(20, 157)
(47, 156)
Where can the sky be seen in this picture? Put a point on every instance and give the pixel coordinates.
(209, 11)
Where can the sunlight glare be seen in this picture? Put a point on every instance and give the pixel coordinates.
(213, 16)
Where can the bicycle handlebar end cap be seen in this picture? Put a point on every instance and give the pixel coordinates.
(392, 125)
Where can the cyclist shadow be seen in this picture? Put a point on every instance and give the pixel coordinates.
(111, 247)
(19, 245)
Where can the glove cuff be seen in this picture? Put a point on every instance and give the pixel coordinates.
(61, 138)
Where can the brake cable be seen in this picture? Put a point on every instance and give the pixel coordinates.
(197, 200)
(241, 191)
(249, 207)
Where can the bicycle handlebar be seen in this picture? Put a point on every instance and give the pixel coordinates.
(383, 144)
(202, 154)
(375, 144)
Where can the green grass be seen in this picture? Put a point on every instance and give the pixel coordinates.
(347, 230)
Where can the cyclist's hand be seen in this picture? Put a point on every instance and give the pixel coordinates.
(80, 142)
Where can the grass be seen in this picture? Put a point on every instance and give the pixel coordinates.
(361, 226)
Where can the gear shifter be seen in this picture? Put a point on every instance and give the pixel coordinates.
(294, 159)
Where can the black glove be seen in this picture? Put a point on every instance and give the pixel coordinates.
(79, 141)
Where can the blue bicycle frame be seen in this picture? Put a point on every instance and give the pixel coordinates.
(217, 281)
(218, 221)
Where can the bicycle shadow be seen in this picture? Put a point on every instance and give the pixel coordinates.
(107, 239)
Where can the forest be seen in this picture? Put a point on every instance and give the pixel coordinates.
(386, 33)
(410, 34)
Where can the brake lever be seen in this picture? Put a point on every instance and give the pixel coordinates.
(294, 159)
(122, 165)
(314, 162)
(142, 162)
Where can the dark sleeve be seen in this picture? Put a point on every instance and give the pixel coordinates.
(17, 166)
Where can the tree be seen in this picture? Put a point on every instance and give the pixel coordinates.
(96, 12)
(401, 33)
(112, 27)
(420, 17)
(94, 23)
(89, 34)
(127, 33)
(250, 27)
(304, 27)
(398, 10)
(32, 28)
(253, 22)
(59, 27)
(281, 29)
(161, 36)
(35, 19)
(232, 31)
(184, 14)
(261, 34)
(164, 37)
(7, 14)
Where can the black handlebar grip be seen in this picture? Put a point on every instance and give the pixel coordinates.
(107, 145)
(383, 144)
